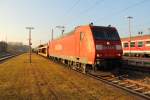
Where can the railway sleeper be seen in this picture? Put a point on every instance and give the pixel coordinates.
(112, 78)
(146, 93)
(108, 78)
(116, 81)
(139, 89)
(123, 83)
(130, 86)
(118, 77)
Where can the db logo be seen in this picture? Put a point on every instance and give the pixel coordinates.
(58, 47)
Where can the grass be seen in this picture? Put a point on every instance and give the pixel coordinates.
(44, 80)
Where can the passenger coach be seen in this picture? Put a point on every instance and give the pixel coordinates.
(43, 50)
(139, 46)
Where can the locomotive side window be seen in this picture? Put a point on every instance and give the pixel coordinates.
(132, 44)
(125, 45)
(81, 36)
(140, 44)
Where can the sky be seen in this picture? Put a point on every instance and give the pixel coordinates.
(45, 15)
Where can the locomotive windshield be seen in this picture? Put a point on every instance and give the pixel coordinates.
(105, 33)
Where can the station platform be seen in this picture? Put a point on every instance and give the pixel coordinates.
(137, 61)
(46, 80)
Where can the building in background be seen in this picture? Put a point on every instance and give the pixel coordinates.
(3, 46)
(15, 47)
(12, 47)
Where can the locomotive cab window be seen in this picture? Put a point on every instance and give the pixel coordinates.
(105, 33)
(132, 44)
(125, 45)
(140, 44)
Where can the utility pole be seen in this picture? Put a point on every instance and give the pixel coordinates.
(149, 30)
(6, 42)
(40, 42)
(52, 34)
(62, 29)
(30, 28)
(129, 19)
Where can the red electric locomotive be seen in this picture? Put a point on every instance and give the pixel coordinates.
(88, 47)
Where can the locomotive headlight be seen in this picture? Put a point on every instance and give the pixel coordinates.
(118, 47)
(99, 55)
(99, 47)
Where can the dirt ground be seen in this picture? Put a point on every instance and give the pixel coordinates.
(45, 80)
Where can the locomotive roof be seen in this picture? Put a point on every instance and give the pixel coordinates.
(71, 32)
(139, 37)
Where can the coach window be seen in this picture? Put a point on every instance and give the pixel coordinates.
(125, 45)
(132, 44)
(140, 44)
(148, 43)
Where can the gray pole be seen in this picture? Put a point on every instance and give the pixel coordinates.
(52, 34)
(62, 29)
(149, 30)
(30, 28)
(129, 19)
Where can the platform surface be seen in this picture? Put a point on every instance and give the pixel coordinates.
(136, 58)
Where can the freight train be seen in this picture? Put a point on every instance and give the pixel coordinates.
(136, 46)
(87, 48)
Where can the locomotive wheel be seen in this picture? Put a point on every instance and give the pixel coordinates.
(94, 68)
(69, 64)
(74, 66)
(84, 69)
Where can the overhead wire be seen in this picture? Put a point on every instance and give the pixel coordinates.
(92, 6)
(72, 7)
(67, 13)
(125, 9)
(89, 8)
(99, 2)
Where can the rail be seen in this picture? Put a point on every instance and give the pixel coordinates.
(121, 82)
(7, 57)
(125, 84)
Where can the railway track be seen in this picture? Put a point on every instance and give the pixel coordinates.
(6, 57)
(119, 81)
(122, 82)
